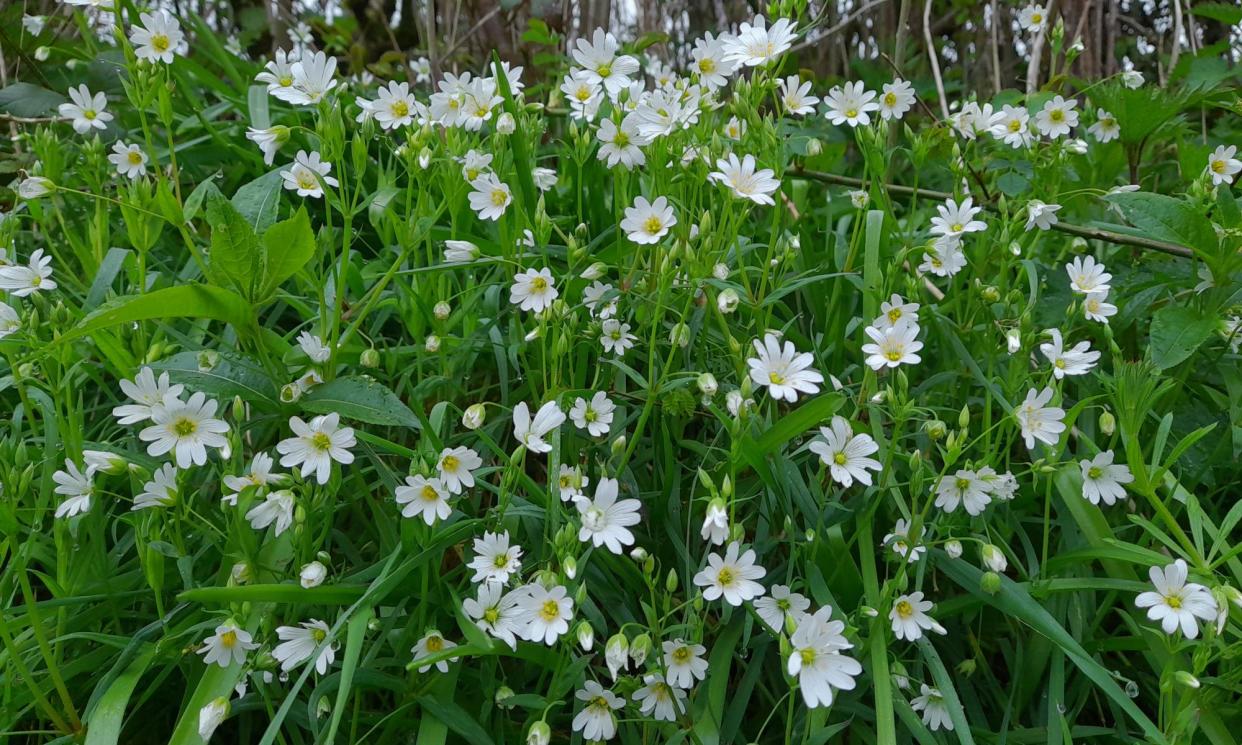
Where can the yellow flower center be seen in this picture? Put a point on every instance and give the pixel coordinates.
(1060, 364)
(318, 634)
(89, 114)
(160, 43)
(184, 427)
(1173, 601)
(134, 158)
(890, 99)
(963, 484)
(1015, 125)
(839, 459)
(1218, 166)
(307, 180)
(957, 227)
(894, 315)
(851, 113)
(450, 463)
(1037, 17)
(707, 65)
(538, 284)
(1094, 472)
(904, 609)
(603, 71)
(652, 225)
(286, 81)
(228, 639)
(776, 378)
(725, 577)
(321, 441)
(400, 109)
(499, 198)
(501, 561)
(590, 415)
(1057, 115)
(621, 139)
(491, 615)
(681, 655)
(429, 494)
(808, 656)
(893, 355)
(434, 644)
(550, 611)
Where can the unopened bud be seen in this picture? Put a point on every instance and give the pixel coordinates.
(1108, 423)
(586, 636)
(540, 734)
(728, 300)
(505, 124)
(990, 583)
(993, 558)
(370, 358)
(474, 416)
(953, 549)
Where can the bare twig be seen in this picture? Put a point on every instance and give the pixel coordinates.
(809, 40)
(935, 58)
(1061, 227)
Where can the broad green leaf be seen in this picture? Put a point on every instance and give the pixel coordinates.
(1227, 13)
(259, 200)
(232, 374)
(1167, 219)
(287, 246)
(104, 725)
(234, 247)
(26, 100)
(287, 593)
(185, 301)
(1176, 332)
(362, 399)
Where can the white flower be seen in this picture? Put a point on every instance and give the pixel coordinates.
(129, 160)
(1012, 126)
(490, 197)
(756, 44)
(946, 257)
(308, 174)
(648, 222)
(533, 289)
(957, 219)
(456, 468)
(530, 432)
(782, 369)
(596, 720)
(859, 198)
(935, 712)
(899, 540)
(1041, 215)
(278, 75)
(495, 561)
(211, 716)
(1106, 128)
(186, 428)
(594, 416)
(715, 523)
(744, 181)
(298, 644)
(910, 619)
(98, 461)
(816, 658)
(796, 95)
(1057, 117)
(606, 521)
(1102, 480)
(276, 507)
(10, 321)
(583, 95)
(571, 483)
(600, 299)
(657, 699)
(269, 140)
(893, 346)
(546, 613)
(1077, 360)
(1033, 18)
(312, 575)
(1097, 308)
(227, 646)
(780, 605)
(313, 76)
(845, 453)
(260, 474)
(684, 663)
(1132, 79)
(896, 98)
(850, 104)
(314, 347)
(496, 612)
(963, 488)
(1175, 602)
(76, 487)
(395, 106)
(314, 446)
(424, 497)
(545, 178)
(158, 38)
(86, 110)
(1087, 275)
(460, 252)
(160, 491)
(708, 62)
(1222, 166)
(621, 145)
(146, 392)
(1038, 420)
(734, 128)
(894, 310)
(616, 337)
(34, 276)
(600, 63)
(731, 576)
(432, 643)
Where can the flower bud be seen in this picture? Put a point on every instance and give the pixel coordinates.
(727, 301)
(679, 335)
(671, 582)
(570, 567)
(639, 649)
(370, 358)
(505, 124)
(424, 158)
(211, 715)
(540, 734)
(503, 697)
(41, 54)
(993, 557)
(34, 187)
(963, 417)
(617, 654)
(967, 667)
(595, 271)
(707, 384)
(1013, 341)
(442, 310)
(312, 575)
(586, 636)
(953, 548)
(991, 583)
(814, 147)
(290, 393)
(720, 271)
(432, 344)
(474, 416)
(935, 429)
(1186, 679)
(1108, 423)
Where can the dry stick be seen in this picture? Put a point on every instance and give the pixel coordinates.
(1037, 50)
(1062, 227)
(935, 59)
(808, 41)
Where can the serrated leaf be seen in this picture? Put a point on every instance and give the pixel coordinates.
(362, 399)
